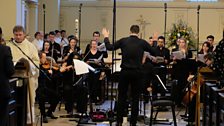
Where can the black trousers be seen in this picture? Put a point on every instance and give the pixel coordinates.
(94, 86)
(192, 109)
(129, 77)
(4, 111)
(44, 95)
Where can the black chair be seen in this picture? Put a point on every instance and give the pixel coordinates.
(167, 101)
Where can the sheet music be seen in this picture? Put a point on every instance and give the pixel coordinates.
(159, 59)
(99, 60)
(178, 54)
(81, 67)
(201, 58)
(148, 55)
(102, 47)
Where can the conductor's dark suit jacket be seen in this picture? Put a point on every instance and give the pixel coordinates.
(6, 70)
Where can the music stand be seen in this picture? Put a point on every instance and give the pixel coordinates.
(81, 69)
(161, 82)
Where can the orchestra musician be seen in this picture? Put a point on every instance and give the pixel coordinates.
(6, 71)
(95, 59)
(47, 88)
(72, 48)
(209, 60)
(30, 50)
(54, 46)
(69, 77)
(46, 49)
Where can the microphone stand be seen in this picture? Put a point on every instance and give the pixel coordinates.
(111, 112)
(44, 16)
(165, 10)
(80, 16)
(197, 115)
(198, 9)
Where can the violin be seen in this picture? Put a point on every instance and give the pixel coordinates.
(47, 65)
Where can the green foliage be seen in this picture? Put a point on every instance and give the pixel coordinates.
(181, 30)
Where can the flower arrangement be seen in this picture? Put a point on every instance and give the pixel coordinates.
(179, 30)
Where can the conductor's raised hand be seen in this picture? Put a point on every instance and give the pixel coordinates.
(105, 32)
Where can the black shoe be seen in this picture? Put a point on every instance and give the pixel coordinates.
(45, 120)
(50, 114)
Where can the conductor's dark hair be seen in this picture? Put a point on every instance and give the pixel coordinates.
(134, 29)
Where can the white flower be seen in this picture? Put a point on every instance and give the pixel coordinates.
(178, 35)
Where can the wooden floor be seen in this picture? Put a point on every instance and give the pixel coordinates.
(106, 105)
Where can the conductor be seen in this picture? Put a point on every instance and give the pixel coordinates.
(132, 49)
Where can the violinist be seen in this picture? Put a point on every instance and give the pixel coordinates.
(47, 88)
(46, 49)
(95, 59)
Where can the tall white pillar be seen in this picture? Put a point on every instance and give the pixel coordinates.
(32, 26)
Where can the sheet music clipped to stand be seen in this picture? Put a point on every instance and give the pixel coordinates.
(81, 67)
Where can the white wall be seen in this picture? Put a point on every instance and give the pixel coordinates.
(12, 13)
(99, 14)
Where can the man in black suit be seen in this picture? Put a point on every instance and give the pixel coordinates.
(132, 50)
(6, 70)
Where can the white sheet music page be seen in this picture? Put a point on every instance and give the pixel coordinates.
(80, 67)
(178, 54)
